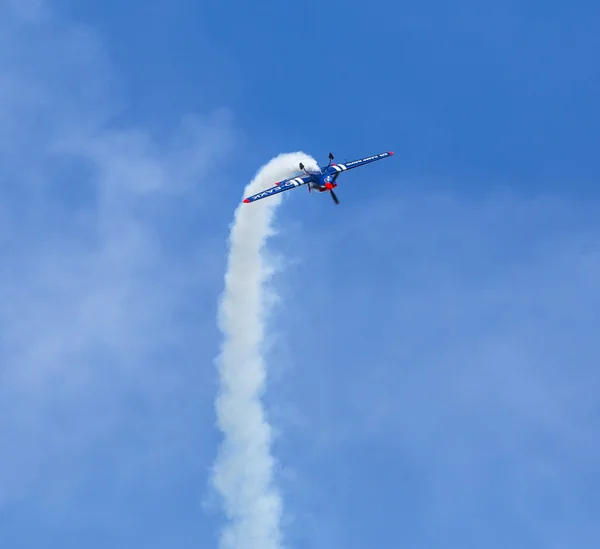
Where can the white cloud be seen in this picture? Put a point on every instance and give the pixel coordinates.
(90, 294)
(457, 376)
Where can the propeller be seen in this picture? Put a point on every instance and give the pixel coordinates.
(335, 176)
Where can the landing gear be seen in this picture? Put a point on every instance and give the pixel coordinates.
(309, 183)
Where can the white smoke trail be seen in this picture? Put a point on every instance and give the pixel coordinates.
(243, 472)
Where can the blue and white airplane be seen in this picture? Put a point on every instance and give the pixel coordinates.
(323, 180)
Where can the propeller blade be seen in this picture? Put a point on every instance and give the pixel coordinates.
(335, 198)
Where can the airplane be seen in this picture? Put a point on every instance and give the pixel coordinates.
(322, 180)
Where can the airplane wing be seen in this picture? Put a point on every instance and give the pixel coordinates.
(336, 168)
(279, 187)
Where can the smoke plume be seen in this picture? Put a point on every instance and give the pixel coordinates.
(243, 472)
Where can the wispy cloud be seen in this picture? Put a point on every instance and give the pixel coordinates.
(91, 296)
(468, 402)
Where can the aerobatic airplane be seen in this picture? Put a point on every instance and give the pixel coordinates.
(323, 180)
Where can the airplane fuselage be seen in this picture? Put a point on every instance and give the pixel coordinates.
(322, 181)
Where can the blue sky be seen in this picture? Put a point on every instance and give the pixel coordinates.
(435, 372)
